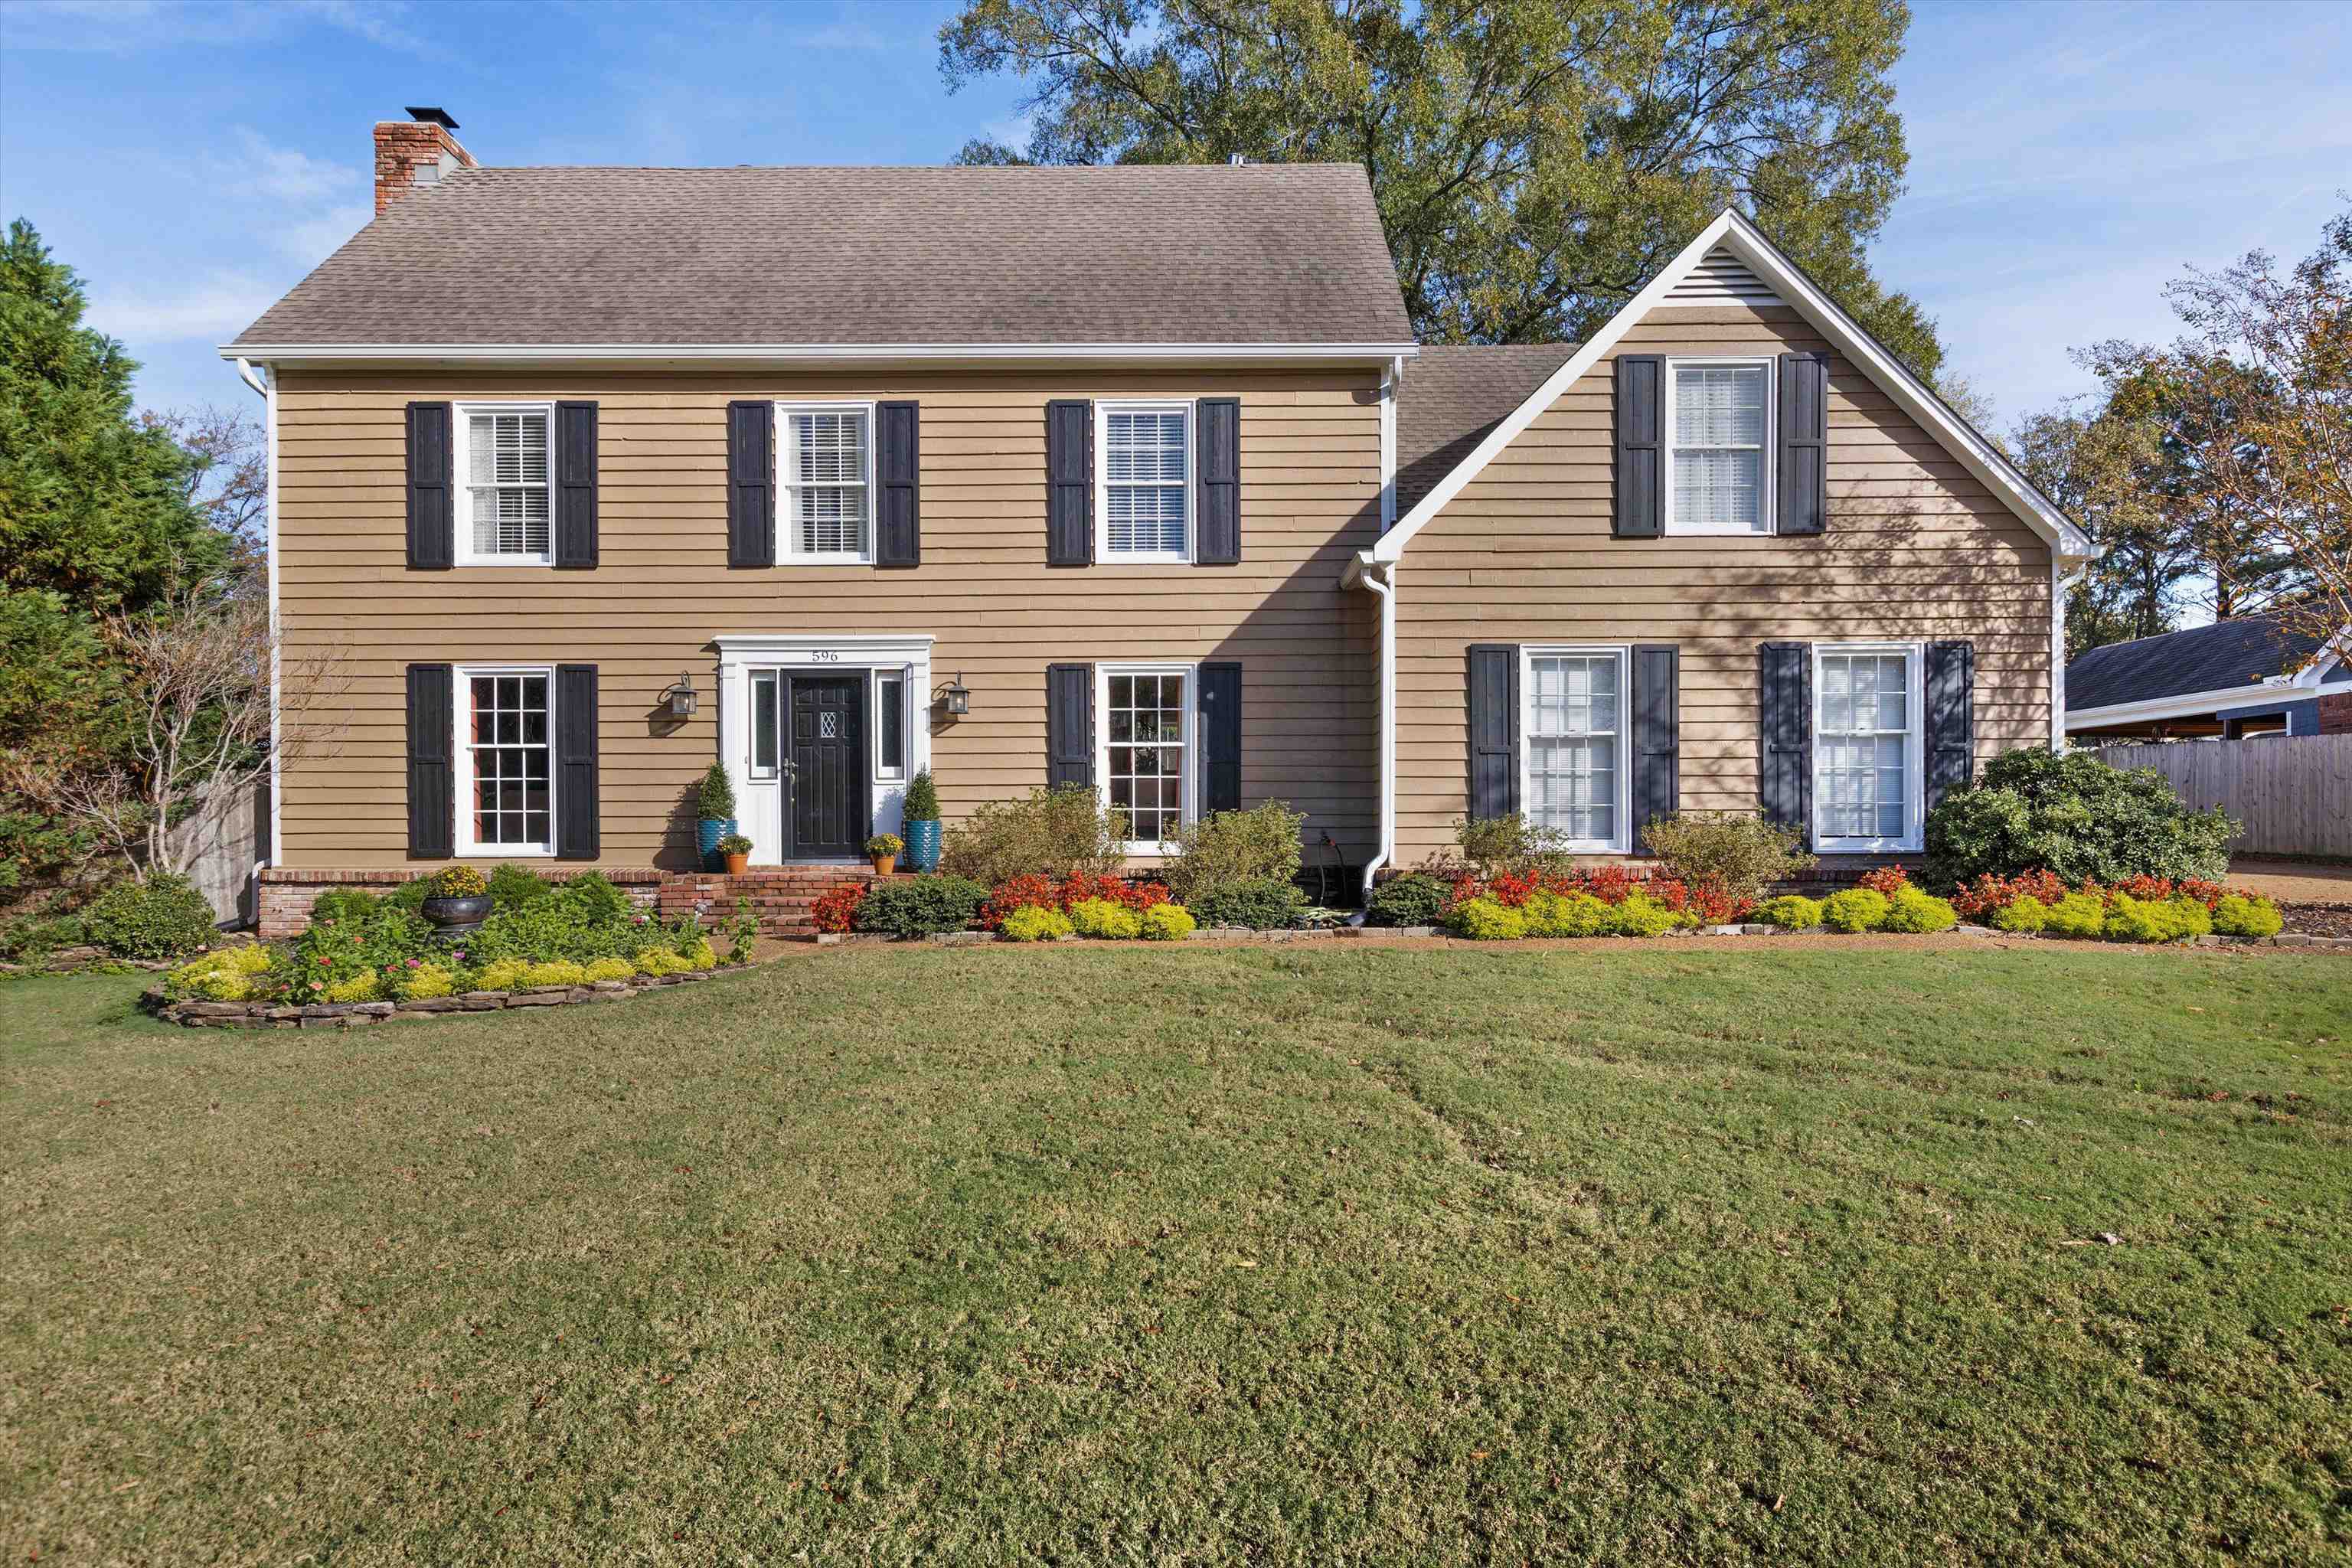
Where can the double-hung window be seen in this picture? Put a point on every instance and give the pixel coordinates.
(1574, 725)
(1719, 420)
(1143, 501)
(502, 477)
(1867, 788)
(506, 791)
(1145, 757)
(827, 459)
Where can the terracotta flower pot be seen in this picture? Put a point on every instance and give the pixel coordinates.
(885, 864)
(738, 863)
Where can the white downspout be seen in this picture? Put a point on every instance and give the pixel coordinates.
(1387, 591)
(265, 382)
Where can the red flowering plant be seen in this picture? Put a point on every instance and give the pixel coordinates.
(1042, 892)
(837, 906)
(1612, 885)
(1886, 881)
(1990, 894)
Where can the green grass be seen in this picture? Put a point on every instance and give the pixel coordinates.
(1324, 1254)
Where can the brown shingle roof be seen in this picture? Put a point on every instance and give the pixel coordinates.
(1159, 254)
(1451, 395)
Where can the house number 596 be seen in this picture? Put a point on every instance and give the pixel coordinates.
(823, 656)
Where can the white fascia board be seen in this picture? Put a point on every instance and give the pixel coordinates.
(1743, 239)
(792, 353)
(2184, 705)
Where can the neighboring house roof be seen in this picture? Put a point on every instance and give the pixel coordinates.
(1742, 241)
(2226, 661)
(1255, 254)
(1452, 395)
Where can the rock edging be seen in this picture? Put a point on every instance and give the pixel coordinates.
(197, 1014)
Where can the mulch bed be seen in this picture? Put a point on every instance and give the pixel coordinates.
(2318, 920)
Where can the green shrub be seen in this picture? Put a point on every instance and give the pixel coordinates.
(2077, 915)
(1260, 904)
(2237, 915)
(344, 904)
(163, 917)
(511, 887)
(920, 906)
(1226, 847)
(923, 799)
(1911, 910)
(1734, 853)
(1101, 918)
(1855, 909)
(1483, 919)
(1050, 833)
(409, 896)
(1166, 923)
(1035, 922)
(2074, 815)
(2023, 916)
(1415, 898)
(1513, 843)
(31, 937)
(1640, 915)
(698, 953)
(714, 798)
(1792, 912)
(595, 900)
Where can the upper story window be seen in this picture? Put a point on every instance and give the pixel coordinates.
(827, 462)
(1575, 751)
(502, 467)
(1720, 426)
(1867, 783)
(1143, 481)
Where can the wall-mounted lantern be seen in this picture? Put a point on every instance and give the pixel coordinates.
(959, 699)
(681, 697)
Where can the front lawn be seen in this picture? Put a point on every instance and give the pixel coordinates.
(1313, 1254)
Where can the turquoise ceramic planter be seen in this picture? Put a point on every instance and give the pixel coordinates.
(923, 845)
(707, 835)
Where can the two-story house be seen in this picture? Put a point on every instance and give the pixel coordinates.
(1141, 468)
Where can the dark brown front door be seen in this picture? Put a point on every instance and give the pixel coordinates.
(827, 806)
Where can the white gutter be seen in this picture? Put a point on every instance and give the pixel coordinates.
(1371, 575)
(785, 353)
(2187, 705)
(266, 384)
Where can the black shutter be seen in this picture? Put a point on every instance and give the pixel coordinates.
(1220, 421)
(1657, 737)
(575, 761)
(1221, 736)
(1784, 724)
(432, 520)
(1494, 730)
(1951, 716)
(897, 468)
(750, 484)
(431, 767)
(1640, 451)
(1069, 725)
(1069, 482)
(1805, 443)
(575, 484)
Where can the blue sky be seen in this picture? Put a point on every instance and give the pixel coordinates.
(194, 161)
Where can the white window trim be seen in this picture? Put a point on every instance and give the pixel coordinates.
(1189, 792)
(461, 711)
(782, 522)
(883, 772)
(461, 465)
(1104, 409)
(1621, 843)
(752, 771)
(1768, 466)
(1915, 782)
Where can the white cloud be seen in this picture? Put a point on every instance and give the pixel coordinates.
(292, 177)
(312, 241)
(128, 26)
(213, 311)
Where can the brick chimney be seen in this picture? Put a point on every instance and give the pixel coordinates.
(413, 152)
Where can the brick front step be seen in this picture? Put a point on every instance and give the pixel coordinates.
(782, 896)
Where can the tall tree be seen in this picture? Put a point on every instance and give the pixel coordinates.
(2093, 466)
(1535, 162)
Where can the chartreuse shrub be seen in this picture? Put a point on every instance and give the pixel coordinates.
(1790, 912)
(660, 960)
(2077, 915)
(1855, 909)
(699, 954)
(1101, 918)
(358, 988)
(1484, 919)
(1567, 914)
(504, 974)
(1415, 898)
(2151, 919)
(1166, 923)
(1642, 915)
(1035, 922)
(163, 917)
(610, 969)
(2238, 915)
(1913, 910)
(225, 975)
(2023, 916)
(425, 982)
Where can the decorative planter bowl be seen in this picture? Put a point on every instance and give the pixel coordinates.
(456, 917)
(923, 845)
(707, 835)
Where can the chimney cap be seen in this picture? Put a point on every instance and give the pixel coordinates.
(434, 116)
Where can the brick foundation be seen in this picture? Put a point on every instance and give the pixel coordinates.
(782, 896)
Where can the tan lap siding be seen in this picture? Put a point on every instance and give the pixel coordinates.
(1310, 480)
(1916, 549)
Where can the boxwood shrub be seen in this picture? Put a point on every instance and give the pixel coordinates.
(1910, 910)
(1790, 912)
(163, 917)
(920, 906)
(1260, 903)
(1415, 898)
(2237, 915)
(1855, 910)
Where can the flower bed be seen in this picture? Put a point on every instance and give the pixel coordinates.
(2138, 908)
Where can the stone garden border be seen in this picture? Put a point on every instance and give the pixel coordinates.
(1393, 933)
(197, 1014)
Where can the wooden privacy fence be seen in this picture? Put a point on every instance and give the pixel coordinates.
(226, 837)
(2291, 794)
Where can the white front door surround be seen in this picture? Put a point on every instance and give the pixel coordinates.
(759, 794)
